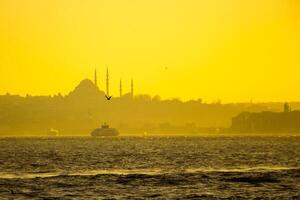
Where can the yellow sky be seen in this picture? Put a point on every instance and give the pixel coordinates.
(233, 50)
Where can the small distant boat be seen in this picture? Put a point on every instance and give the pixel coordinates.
(105, 130)
(52, 132)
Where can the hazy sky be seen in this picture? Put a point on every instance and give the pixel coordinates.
(233, 50)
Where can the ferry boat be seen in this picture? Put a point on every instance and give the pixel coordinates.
(105, 130)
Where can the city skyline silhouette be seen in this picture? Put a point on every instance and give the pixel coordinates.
(149, 99)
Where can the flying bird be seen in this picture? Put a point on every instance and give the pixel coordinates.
(108, 97)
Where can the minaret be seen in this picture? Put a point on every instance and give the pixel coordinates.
(95, 78)
(131, 87)
(121, 88)
(107, 82)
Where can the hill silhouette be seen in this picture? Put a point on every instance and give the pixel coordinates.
(86, 107)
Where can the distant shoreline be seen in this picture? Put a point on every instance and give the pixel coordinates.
(160, 135)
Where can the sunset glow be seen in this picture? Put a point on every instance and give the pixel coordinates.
(231, 50)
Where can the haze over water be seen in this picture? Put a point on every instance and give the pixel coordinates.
(150, 167)
(157, 72)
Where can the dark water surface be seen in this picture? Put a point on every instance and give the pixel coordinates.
(151, 167)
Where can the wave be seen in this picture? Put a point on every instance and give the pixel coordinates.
(79, 173)
(243, 169)
(149, 172)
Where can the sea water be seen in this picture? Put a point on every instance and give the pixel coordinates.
(150, 167)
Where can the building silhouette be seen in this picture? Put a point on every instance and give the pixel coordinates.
(287, 108)
(267, 121)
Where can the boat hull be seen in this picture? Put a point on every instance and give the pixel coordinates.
(105, 132)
